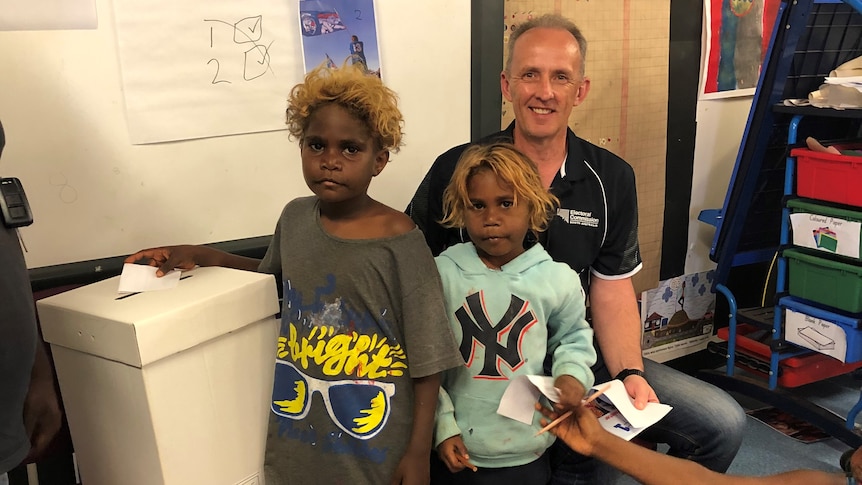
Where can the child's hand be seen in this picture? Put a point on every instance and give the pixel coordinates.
(571, 392)
(454, 454)
(168, 258)
(413, 469)
(580, 431)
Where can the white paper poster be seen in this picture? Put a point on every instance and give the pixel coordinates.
(48, 14)
(199, 69)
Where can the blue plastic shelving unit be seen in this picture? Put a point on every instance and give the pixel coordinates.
(810, 39)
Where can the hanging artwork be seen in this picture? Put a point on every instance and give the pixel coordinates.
(339, 32)
(737, 35)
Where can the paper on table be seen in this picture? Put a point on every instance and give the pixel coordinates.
(137, 277)
(520, 398)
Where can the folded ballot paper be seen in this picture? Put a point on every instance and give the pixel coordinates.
(137, 277)
(615, 409)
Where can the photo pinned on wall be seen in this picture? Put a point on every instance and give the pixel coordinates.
(339, 33)
(736, 37)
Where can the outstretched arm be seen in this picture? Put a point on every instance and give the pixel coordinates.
(187, 257)
(583, 434)
(616, 322)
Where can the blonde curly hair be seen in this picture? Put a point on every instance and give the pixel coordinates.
(366, 97)
(511, 166)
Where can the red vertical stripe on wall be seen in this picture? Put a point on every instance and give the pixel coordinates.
(624, 88)
(711, 84)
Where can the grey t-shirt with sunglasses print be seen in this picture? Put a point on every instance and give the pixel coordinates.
(360, 320)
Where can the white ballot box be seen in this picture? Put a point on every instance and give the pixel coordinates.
(167, 387)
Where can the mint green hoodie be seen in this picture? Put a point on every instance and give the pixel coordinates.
(506, 322)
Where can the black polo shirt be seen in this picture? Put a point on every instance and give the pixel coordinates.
(596, 224)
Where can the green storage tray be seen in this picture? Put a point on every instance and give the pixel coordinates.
(830, 229)
(832, 283)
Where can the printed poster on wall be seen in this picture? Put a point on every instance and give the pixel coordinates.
(736, 38)
(678, 316)
(339, 33)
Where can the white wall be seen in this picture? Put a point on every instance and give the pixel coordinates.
(94, 195)
(720, 125)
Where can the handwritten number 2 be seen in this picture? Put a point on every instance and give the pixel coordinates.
(358, 14)
(216, 80)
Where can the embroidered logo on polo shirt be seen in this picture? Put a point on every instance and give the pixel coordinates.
(576, 217)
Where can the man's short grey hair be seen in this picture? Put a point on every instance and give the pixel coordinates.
(548, 21)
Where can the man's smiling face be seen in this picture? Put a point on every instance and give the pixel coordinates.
(543, 82)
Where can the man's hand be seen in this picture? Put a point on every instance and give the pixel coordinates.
(640, 390)
(571, 392)
(454, 454)
(413, 469)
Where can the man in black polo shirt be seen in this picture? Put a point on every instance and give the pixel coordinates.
(595, 232)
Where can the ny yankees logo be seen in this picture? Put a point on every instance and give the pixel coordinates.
(477, 329)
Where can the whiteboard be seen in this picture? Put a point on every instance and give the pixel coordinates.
(95, 195)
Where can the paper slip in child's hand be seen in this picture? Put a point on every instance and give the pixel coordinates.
(138, 277)
(519, 400)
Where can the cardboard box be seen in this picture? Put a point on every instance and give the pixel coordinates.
(171, 386)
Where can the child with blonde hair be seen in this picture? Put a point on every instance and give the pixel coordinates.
(510, 308)
(363, 334)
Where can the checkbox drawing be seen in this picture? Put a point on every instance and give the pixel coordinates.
(256, 62)
(249, 29)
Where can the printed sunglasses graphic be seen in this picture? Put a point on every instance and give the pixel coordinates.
(359, 407)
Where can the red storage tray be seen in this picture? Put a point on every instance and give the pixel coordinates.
(794, 371)
(830, 177)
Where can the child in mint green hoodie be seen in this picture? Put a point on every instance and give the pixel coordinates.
(510, 307)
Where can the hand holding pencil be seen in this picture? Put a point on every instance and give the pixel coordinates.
(565, 415)
(578, 428)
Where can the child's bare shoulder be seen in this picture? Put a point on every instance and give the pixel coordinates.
(394, 223)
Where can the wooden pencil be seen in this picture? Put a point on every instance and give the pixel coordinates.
(568, 413)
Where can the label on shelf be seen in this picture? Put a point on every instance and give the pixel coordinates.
(816, 334)
(826, 233)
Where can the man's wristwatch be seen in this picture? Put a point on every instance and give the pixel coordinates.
(629, 372)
